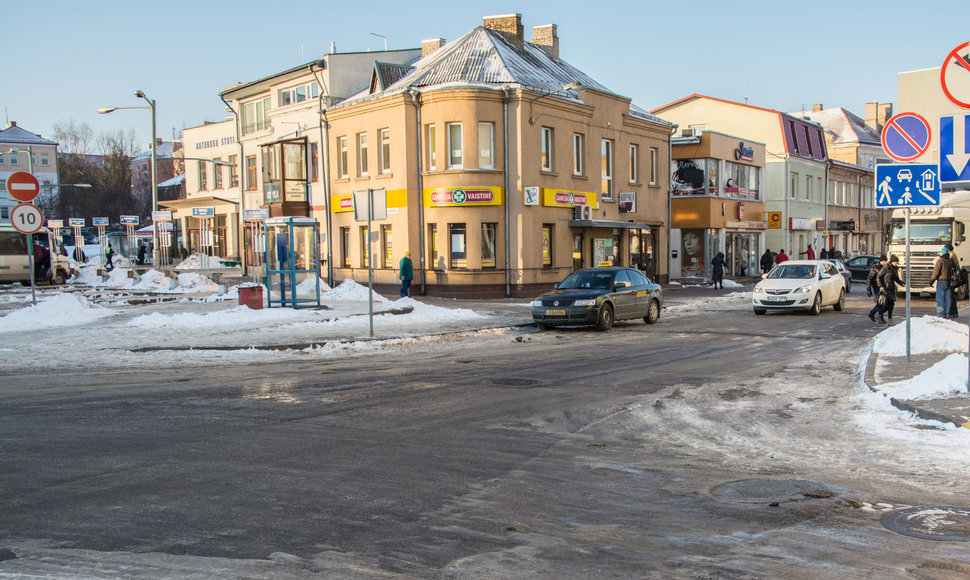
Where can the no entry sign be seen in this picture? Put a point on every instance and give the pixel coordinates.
(22, 186)
(906, 136)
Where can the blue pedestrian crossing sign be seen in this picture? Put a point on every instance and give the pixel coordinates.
(954, 149)
(907, 185)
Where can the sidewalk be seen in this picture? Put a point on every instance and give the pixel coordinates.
(882, 369)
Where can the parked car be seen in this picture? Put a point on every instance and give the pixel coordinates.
(800, 285)
(840, 266)
(859, 267)
(599, 296)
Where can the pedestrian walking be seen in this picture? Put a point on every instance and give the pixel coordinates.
(406, 274)
(767, 260)
(956, 281)
(941, 275)
(888, 278)
(183, 253)
(42, 261)
(781, 257)
(824, 254)
(141, 252)
(809, 253)
(717, 270)
(108, 256)
(872, 283)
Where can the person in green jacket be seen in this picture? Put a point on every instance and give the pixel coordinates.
(406, 273)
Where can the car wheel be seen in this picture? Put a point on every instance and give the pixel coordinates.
(848, 287)
(760, 311)
(605, 319)
(840, 305)
(816, 304)
(653, 312)
(59, 279)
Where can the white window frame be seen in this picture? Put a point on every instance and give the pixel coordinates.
(486, 151)
(362, 169)
(579, 154)
(432, 152)
(653, 166)
(385, 151)
(606, 169)
(45, 160)
(258, 111)
(298, 94)
(342, 157)
(546, 161)
(634, 163)
(455, 161)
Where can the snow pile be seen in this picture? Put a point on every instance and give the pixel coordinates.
(237, 318)
(58, 310)
(945, 379)
(153, 281)
(350, 290)
(928, 334)
(731, 284)
(194, 282)
(202, 261)
(707, 305)
(427, 313)
(308, 288)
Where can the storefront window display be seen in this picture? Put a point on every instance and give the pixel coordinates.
(694, 264)
(688, 177)
(741, 181)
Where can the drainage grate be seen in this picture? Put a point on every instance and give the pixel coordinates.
(514, 382)
(770, 491)
(945, 524)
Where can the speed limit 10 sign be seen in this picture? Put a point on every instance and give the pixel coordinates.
(26, 218)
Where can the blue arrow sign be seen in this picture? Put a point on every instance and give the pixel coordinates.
(907, 185)
(954, 149)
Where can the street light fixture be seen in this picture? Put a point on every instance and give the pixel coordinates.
(567, 87)
(151, 107)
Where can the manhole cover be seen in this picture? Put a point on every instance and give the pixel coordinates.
(770, 491)
(514, 382)
(946, 524)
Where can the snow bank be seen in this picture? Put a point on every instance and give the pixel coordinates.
(928, 334)
(350, 290)
(239, 317)
(945, 379)
(308, 288)
(201, 261)
(193, 282)
(58, 310)
(424, 313)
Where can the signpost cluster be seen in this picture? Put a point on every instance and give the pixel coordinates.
(907, 136)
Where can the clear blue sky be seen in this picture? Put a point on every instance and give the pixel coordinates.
(65, 58)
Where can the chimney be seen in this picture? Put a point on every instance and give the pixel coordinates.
(158, 142)
(877, 114)
(546, 38)
(816, 107)
(510, 25)
(431, 45)
(13, 124)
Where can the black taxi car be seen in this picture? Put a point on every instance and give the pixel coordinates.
(599, 296)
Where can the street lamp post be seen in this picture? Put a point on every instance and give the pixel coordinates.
(151, 107)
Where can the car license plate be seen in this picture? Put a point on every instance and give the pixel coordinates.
(559, 312)
(775, 299)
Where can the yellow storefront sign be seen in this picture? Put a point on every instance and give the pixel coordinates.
(565, 198)
(463, 196)
(343, 202)
(774, 220)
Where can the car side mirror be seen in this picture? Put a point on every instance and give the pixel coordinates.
(621, 285)
(826, 275)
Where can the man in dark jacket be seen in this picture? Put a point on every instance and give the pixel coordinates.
(941, 275)
(888, 278)
(956, 281)
(767, 261)
(872, 285)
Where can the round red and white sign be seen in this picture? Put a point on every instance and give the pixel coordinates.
(22, 186)
(955, 75)
(26, 218)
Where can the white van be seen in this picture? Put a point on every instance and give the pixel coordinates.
(14, 265)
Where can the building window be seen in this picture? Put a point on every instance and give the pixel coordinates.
(547, 245)
(489, 236)
(793, 191)
(387, 256)
(217, 173)
(808, 188)
(255, 116)
(454, 146)
(233, 171)
(299, 94)
(4, 211)
(314, 161)
(33, 159)
(14, 160)
(486, 145)
(45, 160)
(433, 253)
(579, 150)
(634, 163)
(345, 247)
(342, 157)
(385, 150)
(456, 233)
(432, 153)
(203, 181)
(3, 160)
(819, 190)
(653, 166)
(362, 154)
(250, 173)
(364, 247)
(606, 167)
(546, 151)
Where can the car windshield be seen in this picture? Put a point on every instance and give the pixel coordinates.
(587, 280)
(801, 271)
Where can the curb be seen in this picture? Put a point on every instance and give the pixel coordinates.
(870, 380)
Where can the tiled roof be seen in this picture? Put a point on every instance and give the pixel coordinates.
(847, 127)
(15, 134)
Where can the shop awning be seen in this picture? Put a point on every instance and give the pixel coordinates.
(196, 202)
(610, 224)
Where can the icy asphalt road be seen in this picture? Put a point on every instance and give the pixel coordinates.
(713, 444)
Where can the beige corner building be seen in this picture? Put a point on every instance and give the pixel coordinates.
(500, 166)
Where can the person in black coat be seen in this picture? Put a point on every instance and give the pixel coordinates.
(888, 278)
(717, 270)
(872, 282)
(767, 261)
